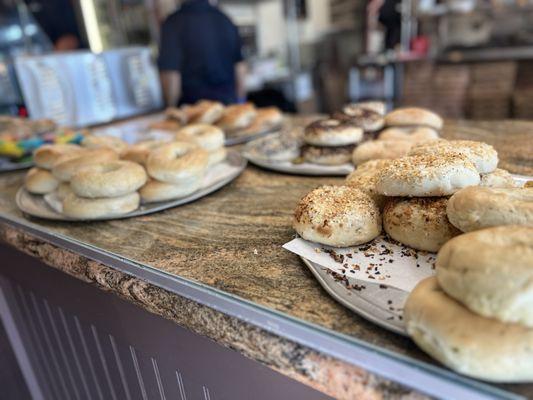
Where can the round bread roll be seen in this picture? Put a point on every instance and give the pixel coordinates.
(413, 117)
(413, 133)
(426, 176)
(40, 181)
(332, 132)
(482, 155)
(337, 216)
(379, 149)
(46, 156)
(83, 208)
(68, 165)
(499, 178)
(477, 207)
(155, 191)
(139, 151)
(110, 142)
(216, 156)
(207, 137)
(108, 179)
(207, 112)
(365, 118)
(491, 272)
(177, 162)
(327, 155)
(237, 116)
(419, 222)
(468, 343)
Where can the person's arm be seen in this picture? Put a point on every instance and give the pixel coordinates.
(171, 85)
(240, 80)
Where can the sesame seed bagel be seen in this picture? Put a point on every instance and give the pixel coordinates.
(426, 176)
(154, 191)
(108, 179)
(412, 133)
(490, 271)
(83, 208)
(418, 222)
(206, 136)
(40, 181)
(482, 155)
(177, 162)
(46, 156)
(67, 165)
(474, 208)
(327, 155)
(468, 343)
(499, 178)
(332, 132)
(139, 152)
(337, 216)
(98, 142)
(413, 116)
(380, 149)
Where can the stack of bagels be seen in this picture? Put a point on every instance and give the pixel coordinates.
(236, 118)
(105, 177)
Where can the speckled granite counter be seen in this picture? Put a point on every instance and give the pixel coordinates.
(226, 250)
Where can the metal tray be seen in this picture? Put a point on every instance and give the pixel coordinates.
(302, 169)
(36, 206)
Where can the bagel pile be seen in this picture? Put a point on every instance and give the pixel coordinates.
(235, 119)
(105, 177)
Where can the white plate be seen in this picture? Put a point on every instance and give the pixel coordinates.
(217, 177)
(303, 168)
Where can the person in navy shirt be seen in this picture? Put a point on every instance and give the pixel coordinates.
(200, 56)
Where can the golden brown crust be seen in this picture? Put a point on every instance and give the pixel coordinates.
(413, 116)
(40, 181)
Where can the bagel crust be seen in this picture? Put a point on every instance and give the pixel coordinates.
(419, 222)
(479, 207)
(139, 152)
(177, 162)
(426, 176)
(40, 181)
(411, 133)
(491, 272)
(83, 208)
(499, 178)
(46, 156)
(332, 132)
(380, 149)
(108, 179)
(337, 216)
(413, 116)
(327, 155)
(155, 191)
(468, 343)
(67, 165)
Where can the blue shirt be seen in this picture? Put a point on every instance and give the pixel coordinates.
(202, 43)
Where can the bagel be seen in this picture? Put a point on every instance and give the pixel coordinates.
(46, 156)
(237, 116)
(40, 181)
(207, 112)
(414, 134)
(327, 155)
(482, 155)
(169, 125)
(98, 142)
(155, 191)
(468, 343)
(108, 179)
(337, 216)
(176, 115)
(86, 209)
(332, 132)
(177, 162)
(413, 116)
(68, 165)
(139, 152)
(266, 118)
(378, 107)
(364, 179)
(419, 222)
(216, 156)
(426, 176)
(380, 149)
(277, 147)
(207, 137)
(474, 208)
(365, 118)
(499, 178)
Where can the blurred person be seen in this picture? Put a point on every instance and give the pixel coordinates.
(200, 56)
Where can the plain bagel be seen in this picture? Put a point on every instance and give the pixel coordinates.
(46, 156)
(139, 152)
(479, 207)
(332, 132)
(155, 191)
(86, 209)
(177, 162)
(337, 216)
(491, 272)
(208, 112)
(108, 179)
(411, 133)
(237, 116)
(68, 165)
(380, 149)
(468, 343)
(413, 117)
(208, 137)
(40, 181)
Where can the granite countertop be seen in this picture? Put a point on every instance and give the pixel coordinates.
(231, 240)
